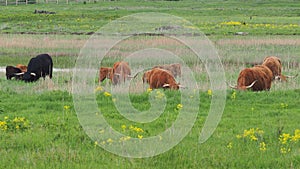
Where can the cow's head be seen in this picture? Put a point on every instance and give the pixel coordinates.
(29, 77)
(105, 73)
(172, 86)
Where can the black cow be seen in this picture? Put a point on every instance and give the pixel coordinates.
(12, 71)
(39, 66)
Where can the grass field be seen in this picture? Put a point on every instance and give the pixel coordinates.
(39, 127)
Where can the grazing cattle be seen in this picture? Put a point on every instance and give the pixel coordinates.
(274, 64)
(39, 66)
(175, 68)
(12, 71)
(104, 72)
(146, 76)
(160, 78)
(23, 68)
(121, 71)
(257, 78)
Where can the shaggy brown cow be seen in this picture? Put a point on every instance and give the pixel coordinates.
(175, 68)
(257, 78)
(23, 68)
(121, 71)
(160, 78)
(104, 72)
(274, 64)
(147, 74)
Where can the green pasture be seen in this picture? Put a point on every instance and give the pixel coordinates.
(212, 17)
(39, 127)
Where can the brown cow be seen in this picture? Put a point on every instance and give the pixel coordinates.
(104, 72)
(274, 64)
(23, 68)
(257, 78)
(121, 71)
(160, 78)
(175, 68)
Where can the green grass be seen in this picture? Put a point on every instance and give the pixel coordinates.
(208, 16)
(56, 139)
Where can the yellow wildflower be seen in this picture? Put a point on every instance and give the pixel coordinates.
(233, 95)
(283, 138)
(284, 150)
(66, 107)
(284, 105)
(209, 92)
(229, 145)
(296, 136)
(123, 126)
(96, 143)
(107, 94)
(159, 95)
(140, 137)
(110, 140)
(125, 138)
(98, 88)
(160, 137)
(262, 146)
(149, 90)
(6, 117)
(179, 106)
(238, 136)
(253, 138)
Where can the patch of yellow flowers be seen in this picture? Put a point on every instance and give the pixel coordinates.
(286, 140)
(130, 130)
(14, 124)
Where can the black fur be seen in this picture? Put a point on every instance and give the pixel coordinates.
(41, 65)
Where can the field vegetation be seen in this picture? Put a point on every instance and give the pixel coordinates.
(39, 127)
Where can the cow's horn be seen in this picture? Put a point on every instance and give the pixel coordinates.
(18, 74)
(117, 74)
(291, 76)
(33, 74)
(166, 85)
(180, 86)
(247, 87)
(233, 87)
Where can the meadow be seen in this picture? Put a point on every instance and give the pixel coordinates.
(39, 125)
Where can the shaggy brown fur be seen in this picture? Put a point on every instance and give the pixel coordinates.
(104, 72)
(23, 68)
(274, 64)
(160, 78)
(175, 68)
(121, 71)
(261, 74)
